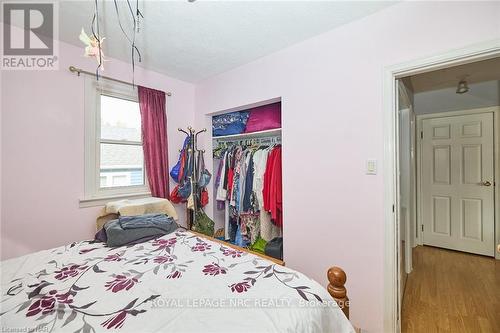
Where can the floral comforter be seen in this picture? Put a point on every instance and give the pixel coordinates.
(176, 283)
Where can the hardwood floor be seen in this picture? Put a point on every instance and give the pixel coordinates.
(450, 291)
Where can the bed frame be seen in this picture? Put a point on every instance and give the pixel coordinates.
(336, 287)
(336, 275)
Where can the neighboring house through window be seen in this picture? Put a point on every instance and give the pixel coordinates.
(114, 160)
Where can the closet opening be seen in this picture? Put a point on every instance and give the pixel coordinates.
(247, 187)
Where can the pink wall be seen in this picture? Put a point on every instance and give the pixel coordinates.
(331, 89)
(42, 141)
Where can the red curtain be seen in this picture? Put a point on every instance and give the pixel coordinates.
(154, 140)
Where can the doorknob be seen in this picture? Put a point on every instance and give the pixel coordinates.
(486, 183)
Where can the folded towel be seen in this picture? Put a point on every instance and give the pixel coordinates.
(160, 221)
(131, 229)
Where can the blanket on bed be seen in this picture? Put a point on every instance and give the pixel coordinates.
(177, 283)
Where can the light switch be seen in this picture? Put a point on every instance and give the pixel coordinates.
(371, 167)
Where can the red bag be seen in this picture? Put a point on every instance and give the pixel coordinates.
(174, 195)
(204, 198)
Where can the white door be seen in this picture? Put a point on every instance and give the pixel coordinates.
(404, 195)
(458, 183)
(407, 187)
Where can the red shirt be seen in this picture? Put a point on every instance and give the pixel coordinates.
(230, 179)
(272, 191)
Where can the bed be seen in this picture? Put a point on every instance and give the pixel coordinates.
(181, 282)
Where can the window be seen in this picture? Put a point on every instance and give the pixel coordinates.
(114, 160)
(120, 143)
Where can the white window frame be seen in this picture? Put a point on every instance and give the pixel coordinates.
(95, 195)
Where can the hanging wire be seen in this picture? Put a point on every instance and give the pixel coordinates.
(95, 21)
(139, 15)
(131, 40)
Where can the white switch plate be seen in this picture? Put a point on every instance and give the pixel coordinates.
(371, 167)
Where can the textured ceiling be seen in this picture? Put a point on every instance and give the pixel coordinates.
(193, 41)
(480, 71)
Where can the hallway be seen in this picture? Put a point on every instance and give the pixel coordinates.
(450, 291)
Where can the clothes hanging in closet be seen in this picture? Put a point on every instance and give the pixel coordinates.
(267, 229)
(249, 181)
(273, 202)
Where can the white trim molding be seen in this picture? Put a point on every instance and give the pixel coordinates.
(94, 195)
(465, 55)
(84, 203)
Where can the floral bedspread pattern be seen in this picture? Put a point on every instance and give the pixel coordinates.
(176, 283)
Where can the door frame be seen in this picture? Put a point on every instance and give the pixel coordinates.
(496, 159)
(472, 53)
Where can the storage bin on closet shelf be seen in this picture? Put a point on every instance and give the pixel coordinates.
(262, 118)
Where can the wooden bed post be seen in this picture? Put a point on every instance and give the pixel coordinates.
(337, 278)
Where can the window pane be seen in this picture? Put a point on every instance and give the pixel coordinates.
(104, 181)
(120, 119)
(121, 165)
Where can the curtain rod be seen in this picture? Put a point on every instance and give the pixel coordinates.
(73, 69)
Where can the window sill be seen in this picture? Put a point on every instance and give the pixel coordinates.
(101, 201)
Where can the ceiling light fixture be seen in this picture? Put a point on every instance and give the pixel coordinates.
(462, 87)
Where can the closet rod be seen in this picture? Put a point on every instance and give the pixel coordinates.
(74, 69)
(241, 139)
(264, 140)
